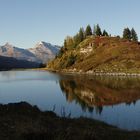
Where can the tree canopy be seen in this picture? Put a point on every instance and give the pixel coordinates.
(88, 31)
(73, 41)
(134, 36)
(130, 34)
(97, 30)
(105, 33)
(127, 33)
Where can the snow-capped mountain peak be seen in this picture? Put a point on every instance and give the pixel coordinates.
(41, 53)
(9, 50)
(45, 51)
(8, 44)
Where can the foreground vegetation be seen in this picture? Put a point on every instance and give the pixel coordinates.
(21, 121)
(99, 52)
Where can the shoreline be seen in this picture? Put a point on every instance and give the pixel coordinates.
(24, 121)
(93, 73)
(71, 71)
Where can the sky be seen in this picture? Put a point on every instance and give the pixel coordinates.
(23, 23)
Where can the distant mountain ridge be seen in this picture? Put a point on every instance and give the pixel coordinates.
(41, 53)
(9, 50)
(45, 51)
(8, 63)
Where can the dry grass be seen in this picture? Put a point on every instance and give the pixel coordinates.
(110, 54)
(21, 121)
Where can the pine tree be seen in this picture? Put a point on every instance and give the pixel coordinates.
(81, 34)
(127, 34)
(77, 39)
(88, 31)
(94, 30)
(65, 43)
(105, 33)
(69, 42)
(134, 36)
(97, 30)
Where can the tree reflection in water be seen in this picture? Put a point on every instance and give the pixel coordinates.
(96, 92)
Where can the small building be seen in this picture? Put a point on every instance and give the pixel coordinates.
(91, 44)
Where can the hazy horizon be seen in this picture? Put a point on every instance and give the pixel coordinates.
(24, 23)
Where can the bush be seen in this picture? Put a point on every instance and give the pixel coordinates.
(71, 60)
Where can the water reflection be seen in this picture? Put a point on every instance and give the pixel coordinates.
(96, 92)
(7, 75)
(11, 76)
(113, 100)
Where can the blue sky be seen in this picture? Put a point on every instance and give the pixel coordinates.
(23, 23)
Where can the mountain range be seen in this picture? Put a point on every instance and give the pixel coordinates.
(41, 53)
(44, 51)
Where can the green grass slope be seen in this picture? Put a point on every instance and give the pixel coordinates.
(100, 54)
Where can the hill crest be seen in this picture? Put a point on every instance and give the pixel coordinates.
(99, 54)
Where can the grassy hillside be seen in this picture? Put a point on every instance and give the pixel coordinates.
(99, 54)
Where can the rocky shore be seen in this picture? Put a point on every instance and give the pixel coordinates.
(21, 121)
(99, 73)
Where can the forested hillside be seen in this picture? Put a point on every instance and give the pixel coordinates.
(97, 51)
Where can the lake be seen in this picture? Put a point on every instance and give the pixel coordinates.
(114, 100)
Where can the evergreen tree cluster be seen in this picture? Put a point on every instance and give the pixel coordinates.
(72, 42)
(130, 34)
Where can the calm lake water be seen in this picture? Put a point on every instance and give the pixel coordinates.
(114, 100)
